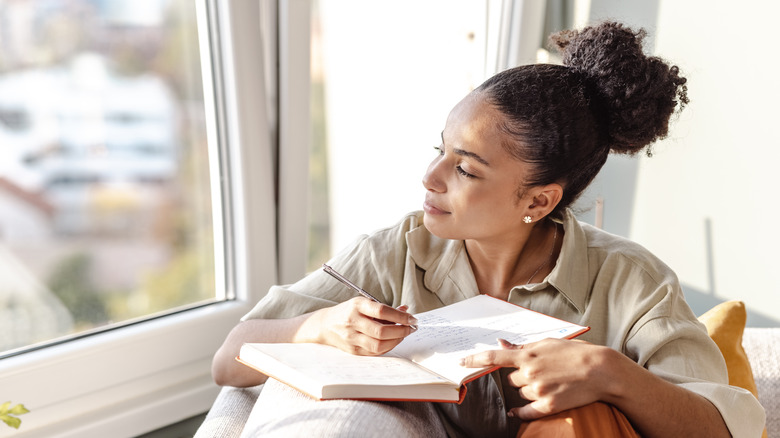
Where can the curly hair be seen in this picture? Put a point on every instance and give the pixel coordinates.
(608, 96)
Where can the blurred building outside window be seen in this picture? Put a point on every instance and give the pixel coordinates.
(105, 208)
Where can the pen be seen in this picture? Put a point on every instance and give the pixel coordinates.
(353, 286)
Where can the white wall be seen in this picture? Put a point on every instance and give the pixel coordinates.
(705, 201)
(393, 70)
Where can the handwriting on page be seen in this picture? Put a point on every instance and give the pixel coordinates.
(440, 335)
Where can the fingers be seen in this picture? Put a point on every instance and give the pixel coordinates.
(531, 411)
(387, 322)
(501, 358)
(370, 328)
(371, 338)
(505, 357)
(503, 343)
(383, 331)
(519, 378)
(386, 313)
(367, 346)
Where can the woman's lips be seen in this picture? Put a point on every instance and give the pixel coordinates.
(430, 208)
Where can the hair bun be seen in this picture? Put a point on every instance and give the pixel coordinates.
(637, 93)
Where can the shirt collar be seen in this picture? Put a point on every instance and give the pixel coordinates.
(570, 274)
(442, 258)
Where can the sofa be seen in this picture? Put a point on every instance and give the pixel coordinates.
(761, 346)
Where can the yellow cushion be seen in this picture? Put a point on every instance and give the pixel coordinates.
(725, 324)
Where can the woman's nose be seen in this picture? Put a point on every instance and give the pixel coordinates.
(432, 180)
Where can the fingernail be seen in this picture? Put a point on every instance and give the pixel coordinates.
(505, 344)
(412, 320)
(510, 414)
(462, 361)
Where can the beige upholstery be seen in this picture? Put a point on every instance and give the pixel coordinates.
(762, 345)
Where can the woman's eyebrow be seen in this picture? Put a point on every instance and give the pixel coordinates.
(465, 153)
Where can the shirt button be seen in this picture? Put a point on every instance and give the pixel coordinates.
(500, 402)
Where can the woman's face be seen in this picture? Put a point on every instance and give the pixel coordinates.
(472, 184)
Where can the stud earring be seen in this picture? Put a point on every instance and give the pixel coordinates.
(527, 219)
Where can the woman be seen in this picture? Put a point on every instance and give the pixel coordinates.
(515, 154)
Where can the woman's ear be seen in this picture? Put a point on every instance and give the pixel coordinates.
(545, 199)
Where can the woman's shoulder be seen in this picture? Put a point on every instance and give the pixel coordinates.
(627, 278)
(601, 239)
(618, 250)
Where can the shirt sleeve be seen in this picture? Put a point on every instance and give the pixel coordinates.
(315, 291)
(374, 262)
(674, 345)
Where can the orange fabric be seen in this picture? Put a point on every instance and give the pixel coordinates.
(594, 420)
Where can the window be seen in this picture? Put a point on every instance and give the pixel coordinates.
(105, 199)
(152, 360)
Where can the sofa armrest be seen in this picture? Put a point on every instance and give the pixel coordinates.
(762, 346)
(229, 413)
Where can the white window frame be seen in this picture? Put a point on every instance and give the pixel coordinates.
(135, 379)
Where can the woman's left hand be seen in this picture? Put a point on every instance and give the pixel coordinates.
(553, 374)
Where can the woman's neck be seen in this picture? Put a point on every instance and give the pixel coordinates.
(499, 266)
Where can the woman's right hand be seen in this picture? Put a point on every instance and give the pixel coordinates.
(360, 326)
(354, 326)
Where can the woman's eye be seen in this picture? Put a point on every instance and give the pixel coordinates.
(459, 169)
(464, 173)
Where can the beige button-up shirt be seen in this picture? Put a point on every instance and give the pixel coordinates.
(630, 299)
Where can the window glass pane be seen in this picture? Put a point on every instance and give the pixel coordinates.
(105, 209)
(384, 78)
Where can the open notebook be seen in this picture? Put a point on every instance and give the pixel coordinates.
(424, 366)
